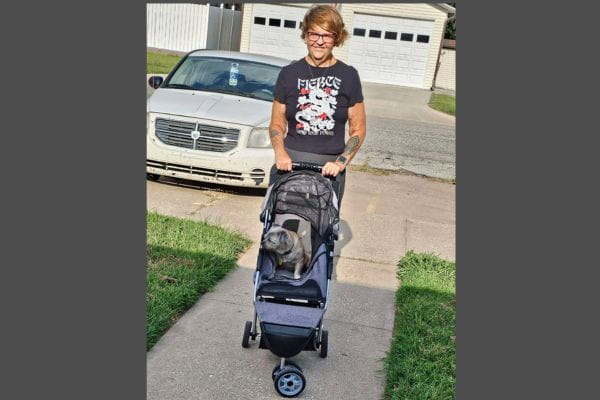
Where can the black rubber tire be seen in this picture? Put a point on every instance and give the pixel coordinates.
(324, 344)
(287, 363)
(285, 373)
(247, 329)
(152, 177)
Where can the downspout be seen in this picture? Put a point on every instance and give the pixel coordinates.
(437, 64)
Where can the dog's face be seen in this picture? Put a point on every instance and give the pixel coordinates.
(278, 240)
(288, 248)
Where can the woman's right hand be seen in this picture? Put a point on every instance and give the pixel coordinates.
(283, 162)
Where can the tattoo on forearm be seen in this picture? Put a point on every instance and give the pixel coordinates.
(273, 133)
(351, 145)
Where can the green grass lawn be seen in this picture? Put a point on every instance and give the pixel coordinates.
(443, 103)
(421, 364)
(159, 63)
(185, 260)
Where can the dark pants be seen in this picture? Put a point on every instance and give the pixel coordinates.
(321, 159)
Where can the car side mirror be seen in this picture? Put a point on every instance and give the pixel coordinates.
(155, 81)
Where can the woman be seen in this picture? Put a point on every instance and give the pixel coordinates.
(314, 98)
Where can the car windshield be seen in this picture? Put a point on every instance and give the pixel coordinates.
(226, 75)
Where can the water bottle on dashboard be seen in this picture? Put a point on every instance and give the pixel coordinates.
(233, 74)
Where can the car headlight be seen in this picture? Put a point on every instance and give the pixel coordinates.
(259, 138)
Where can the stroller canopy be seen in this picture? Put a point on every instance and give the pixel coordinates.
(306, 194)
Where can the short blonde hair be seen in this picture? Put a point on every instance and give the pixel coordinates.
(328, 18)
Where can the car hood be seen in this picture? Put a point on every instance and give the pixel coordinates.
(212, 106)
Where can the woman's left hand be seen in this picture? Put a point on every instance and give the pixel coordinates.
(332, 168)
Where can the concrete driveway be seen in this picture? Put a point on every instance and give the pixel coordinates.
(201, 356)
(403, 133)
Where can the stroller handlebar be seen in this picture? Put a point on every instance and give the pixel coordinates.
(298, 166)
(306, 166)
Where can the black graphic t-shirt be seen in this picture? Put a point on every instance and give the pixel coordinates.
(317, 101)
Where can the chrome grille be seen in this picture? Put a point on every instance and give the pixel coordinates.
(210, 138)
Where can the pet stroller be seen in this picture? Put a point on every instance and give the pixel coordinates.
(290, 311)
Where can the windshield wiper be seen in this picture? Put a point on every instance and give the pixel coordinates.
(233, 92)
(178, 86)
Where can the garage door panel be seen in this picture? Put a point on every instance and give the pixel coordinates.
(416, 69)
(279, 40)
(390, 49)
(395, 61)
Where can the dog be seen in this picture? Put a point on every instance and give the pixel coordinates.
(288, 248)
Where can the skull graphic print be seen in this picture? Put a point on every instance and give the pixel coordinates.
(316, 105)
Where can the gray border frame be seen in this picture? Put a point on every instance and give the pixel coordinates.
(524, 325)
(73, 282)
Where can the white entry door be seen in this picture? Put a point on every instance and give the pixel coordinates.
(275, 31)
(390, 50)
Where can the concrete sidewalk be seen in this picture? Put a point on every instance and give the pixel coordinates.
(201, 356)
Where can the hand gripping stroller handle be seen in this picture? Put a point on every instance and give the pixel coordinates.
(298, 166)
(306, 166)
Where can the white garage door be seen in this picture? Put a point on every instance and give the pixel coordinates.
(390, 50)
(275, 31)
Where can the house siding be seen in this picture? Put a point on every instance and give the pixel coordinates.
(446, 77)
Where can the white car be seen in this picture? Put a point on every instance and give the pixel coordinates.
(208, 120)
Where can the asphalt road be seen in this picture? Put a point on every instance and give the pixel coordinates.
(420, 147)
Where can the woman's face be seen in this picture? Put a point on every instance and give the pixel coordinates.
(319, 42)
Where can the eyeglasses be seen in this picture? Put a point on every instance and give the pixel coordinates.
(327, 38)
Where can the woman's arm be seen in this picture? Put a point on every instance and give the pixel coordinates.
(277, 129)
(357, 130)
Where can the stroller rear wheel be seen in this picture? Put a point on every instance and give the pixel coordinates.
(247, 329)
(289, 382)
(324, 344)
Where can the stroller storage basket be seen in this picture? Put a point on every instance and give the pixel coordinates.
(312, 286)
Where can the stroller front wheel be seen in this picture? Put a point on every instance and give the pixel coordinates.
(287, 364)
(289, 382)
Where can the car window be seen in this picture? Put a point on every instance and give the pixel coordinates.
(224, 75)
